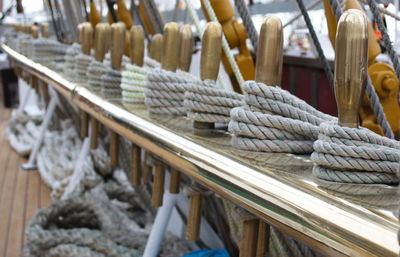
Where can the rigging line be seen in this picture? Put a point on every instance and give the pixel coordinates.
(225, 46)
(248, 22)
(313, 34)
(299, 14)
(369, 89)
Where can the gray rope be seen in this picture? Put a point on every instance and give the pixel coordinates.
(206, 102)
(317, 44)
(274, 121)
(370, 89)
(248, 22)
(94, 72)
(385, 36)
(110, 84)
(355, 155)
(165, 92)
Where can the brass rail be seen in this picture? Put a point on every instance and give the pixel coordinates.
(281, 191)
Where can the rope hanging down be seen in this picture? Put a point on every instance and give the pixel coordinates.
(321, 55)
(248, 22)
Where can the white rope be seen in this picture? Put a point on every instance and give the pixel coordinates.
(355, 155)
(165, 91)
(134, 82)
(274, 121)
(69, 67)
(82, 63)
(22, 130)
(110, 85)
(94, 73)
(205, 102)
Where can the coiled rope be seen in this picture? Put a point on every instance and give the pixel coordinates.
(355, 155)
(94, 73)
(110, 84)
(69, 67)
(82, 63)
(165, 91)
(205, 102)
(274, 121)
(134, 81)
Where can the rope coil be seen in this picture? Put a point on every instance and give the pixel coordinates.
(165, 92)
(355, 155)
(273, 120)
(206, 102)
(110, 85)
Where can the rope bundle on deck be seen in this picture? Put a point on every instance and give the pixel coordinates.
(206, 102)
(94, 72)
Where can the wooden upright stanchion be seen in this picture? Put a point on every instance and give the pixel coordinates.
(117, 47)
(211, 50)
(156, 47)
(137, 58)
(185, 59)
(87, 41)
(268, 71)
(170, 63)
(210, 59)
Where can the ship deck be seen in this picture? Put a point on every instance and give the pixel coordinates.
(22, 193)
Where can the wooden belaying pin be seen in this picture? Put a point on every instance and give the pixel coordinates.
(35, 32)
(350, 66)
(117, 44)
(156, 47)
(137, 58)
(102, 35)
(185, 59)
(170, 63)
(269, 72)
(269, 52)
(117, 47)
(45, 30)
(137, 45)
(210, 59)
(248, 242)
(209, 68)
(186, 50)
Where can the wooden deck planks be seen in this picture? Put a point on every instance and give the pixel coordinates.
(22, 193)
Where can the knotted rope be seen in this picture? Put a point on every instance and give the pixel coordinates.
(355, 155)
(274, 121)
(165, 91)
(206, 102)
